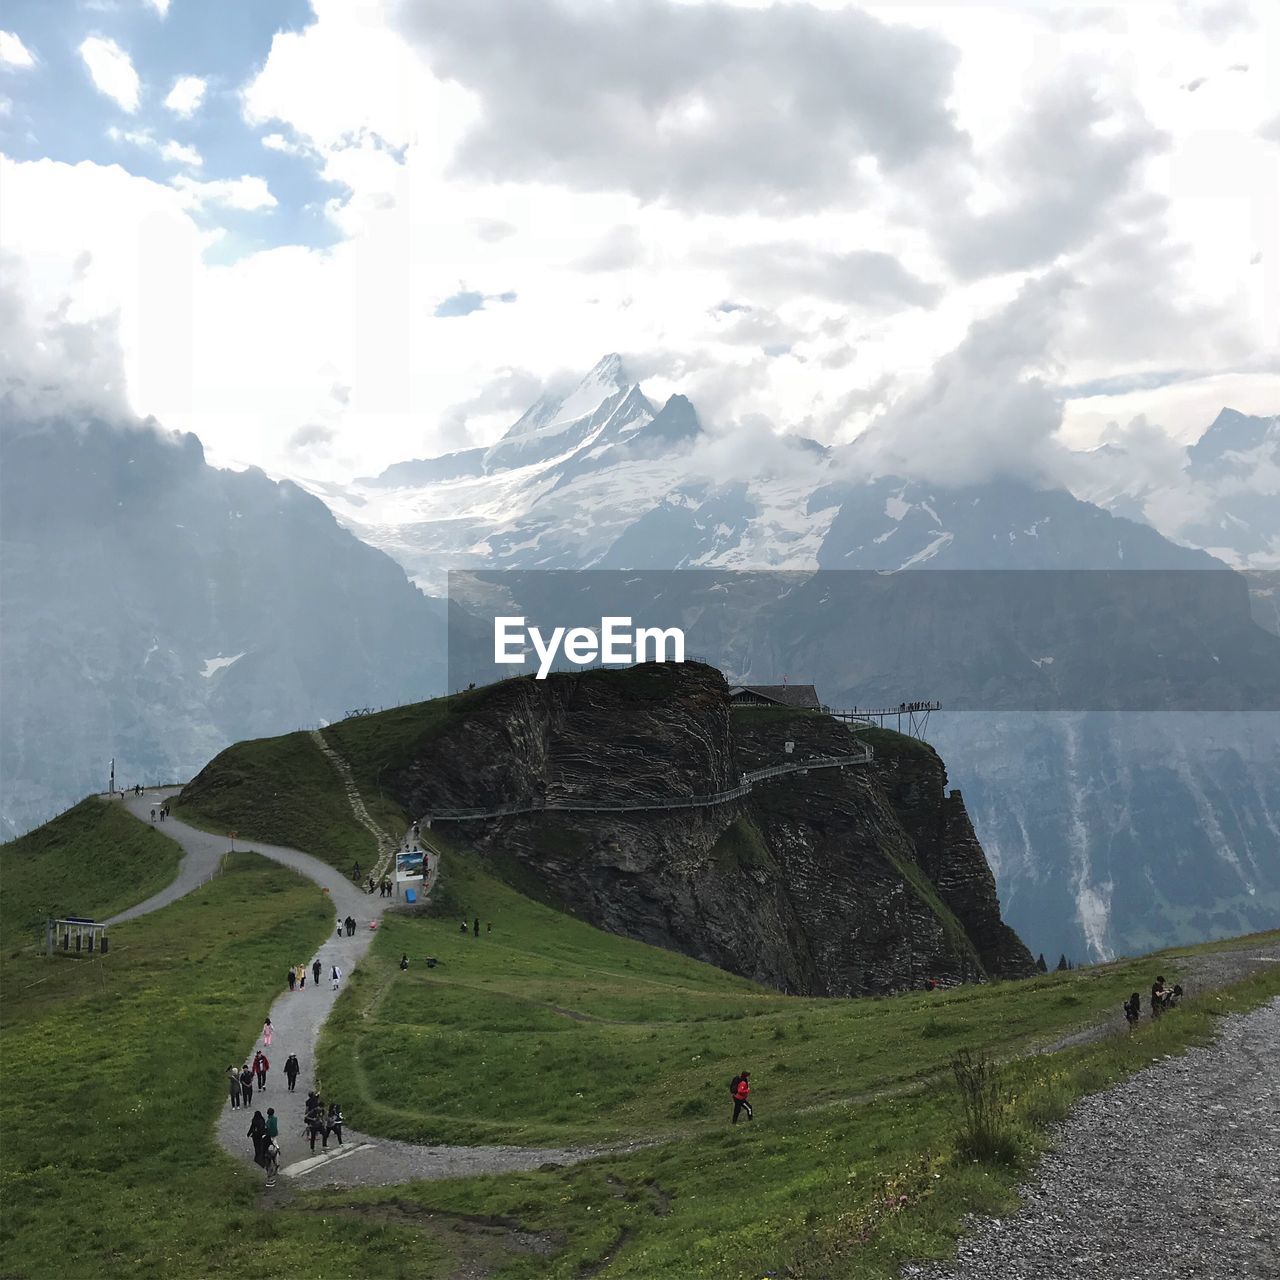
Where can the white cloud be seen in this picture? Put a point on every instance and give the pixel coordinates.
(278, 142)
(185, 97)
(174, 152)
(112, 71)
(13, 53)
(247, 193)
(161, 7)
(181, 153)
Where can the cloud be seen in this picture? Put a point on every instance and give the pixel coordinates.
(467, 301)
(704, 106)
(51, 366)
(13, 53)
(174, 152)
(278, 142)
(1058, 174)
(862, 278)
(619, 249)
(311, 438)
(160, 7)
(185, 97)
(1270, 130)
(248, 194)
(985, 408)
(111, 70)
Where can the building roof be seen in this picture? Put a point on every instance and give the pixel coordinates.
(784, 695)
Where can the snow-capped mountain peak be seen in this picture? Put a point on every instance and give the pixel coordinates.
(550, 414)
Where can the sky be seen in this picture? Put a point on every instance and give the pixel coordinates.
(331, 235)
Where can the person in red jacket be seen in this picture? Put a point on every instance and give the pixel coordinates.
(260, 1068)
(741, 1090)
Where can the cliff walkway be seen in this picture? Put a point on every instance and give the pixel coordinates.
(575, 804)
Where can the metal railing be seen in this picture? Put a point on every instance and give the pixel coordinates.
(749, 780)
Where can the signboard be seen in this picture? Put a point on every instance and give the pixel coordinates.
(409, 866)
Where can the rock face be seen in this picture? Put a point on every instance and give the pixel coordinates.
(836, 882)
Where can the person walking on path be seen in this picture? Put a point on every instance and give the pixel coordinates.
(333, 1124)
(336, 975)
(313, 1119)
(258, 1132)
(273, 1125)
(233, 1079)
(293, 979)
(741, 1091)
(267, 1031)
(260, 1068)
(302, 977)
(291, 1069)
(153, 815)
(355, 873)
(315, 970)
(246, 1084)
(477, 926)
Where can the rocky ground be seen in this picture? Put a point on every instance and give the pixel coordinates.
(1174, 1173)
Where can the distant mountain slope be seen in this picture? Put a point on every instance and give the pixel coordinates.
(156, 608)
(1039, 786)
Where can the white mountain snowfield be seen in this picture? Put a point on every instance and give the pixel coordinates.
(573, 474)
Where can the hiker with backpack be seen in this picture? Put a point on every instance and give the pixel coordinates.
(1132, 1009)
(336, 975)
(315, 971)
(291, 1070)
(740, 1092)
(260, 1066)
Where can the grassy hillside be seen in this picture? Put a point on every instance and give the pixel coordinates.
(109, 1164)
(93, 860)
(548, 1031)
(284, 790)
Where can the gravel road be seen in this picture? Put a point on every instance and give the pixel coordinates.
(1193, 1195)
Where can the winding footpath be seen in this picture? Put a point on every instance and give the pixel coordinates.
(297, 1017)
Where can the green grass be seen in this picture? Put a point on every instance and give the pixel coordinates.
(94, 860)
(282, 791)
(109, 1165)
(549, 1031)
(850, 1190)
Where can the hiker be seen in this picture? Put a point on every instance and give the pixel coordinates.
(415, 830)
(246, 1084)
(1175, 996)
(404, 962)
(1159, 997)
(267, 1031)
(740, 1089)
(1132, 1009)
(477, 926)
(302, 976)
(351, 926)
(291, 1069)
(370, 884)
(313, 1119)
(488, 928)
(464, 926)
(273, 1125)
(315, 969)
(336, 975)
(153, 815)
(333, 1124)
(293, 978)
(258, 1132)
(233, 1080)
(260, 1068)
(355, 873)
(272, 1161)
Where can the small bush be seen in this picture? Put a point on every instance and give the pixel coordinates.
(988, 1133)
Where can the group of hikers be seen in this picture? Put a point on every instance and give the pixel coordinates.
(319, 1123)
(1163, 997)
(347, 927)
(488, 927)
(163, 811)
(297, 975)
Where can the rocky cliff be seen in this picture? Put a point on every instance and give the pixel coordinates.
(835, 882)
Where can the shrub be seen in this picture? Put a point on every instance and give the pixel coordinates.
(987, 1133)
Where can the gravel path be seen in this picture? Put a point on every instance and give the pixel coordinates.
(296, 1019)
(1192, 1196)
